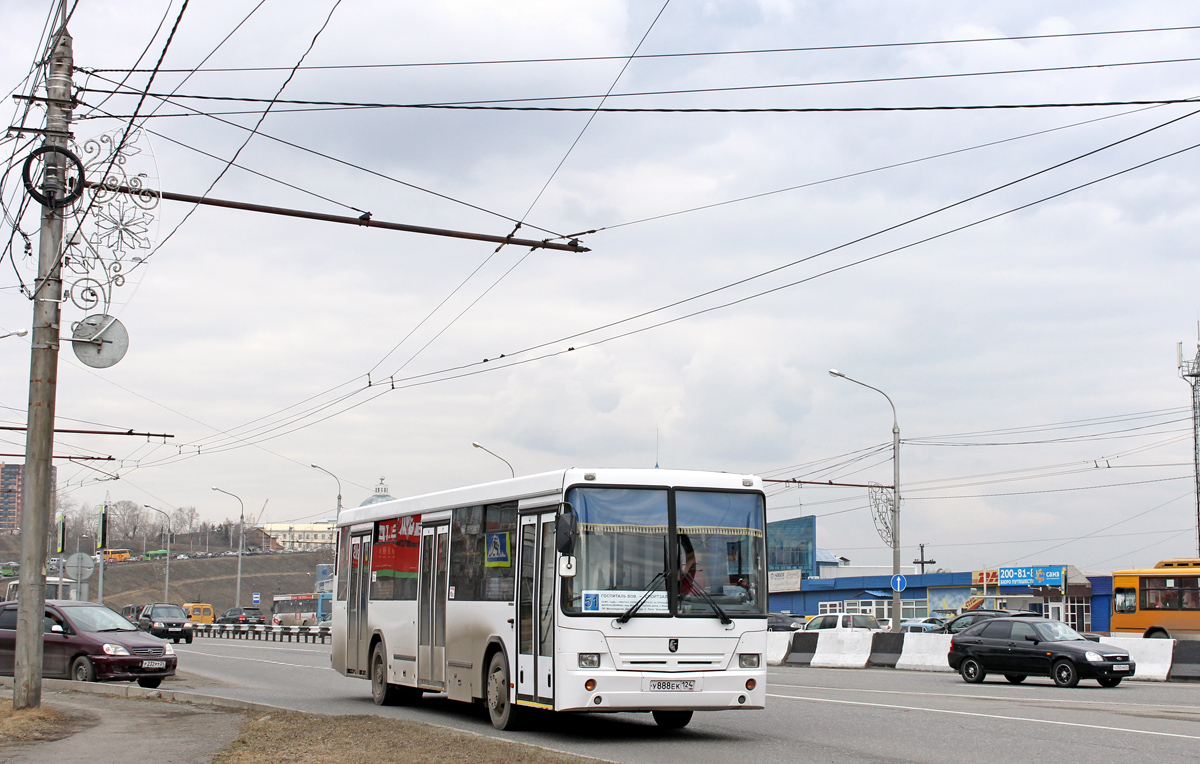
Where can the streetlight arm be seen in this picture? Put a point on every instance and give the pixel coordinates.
(339, 483)
(498, 456)
(895, 419)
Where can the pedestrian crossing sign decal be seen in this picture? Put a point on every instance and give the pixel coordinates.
(498, 550)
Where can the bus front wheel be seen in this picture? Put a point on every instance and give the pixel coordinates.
(672, 720)
(503, 714)
(383, 693)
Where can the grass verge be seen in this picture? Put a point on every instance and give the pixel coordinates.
(276, 737)
(35, 725)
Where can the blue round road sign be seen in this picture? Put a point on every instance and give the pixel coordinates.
(899, 583)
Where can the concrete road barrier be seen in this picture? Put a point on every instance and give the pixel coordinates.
(1152, 656)
(779, 644)
(1185, 661)
(842, 649)
(804, 645)
(886, 648)
(925, 652)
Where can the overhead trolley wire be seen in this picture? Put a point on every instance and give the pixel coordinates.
(699, 54)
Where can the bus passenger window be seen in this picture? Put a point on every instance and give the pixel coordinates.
(1124, 600)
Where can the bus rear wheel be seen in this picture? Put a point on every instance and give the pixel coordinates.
(672, 720)
(504, 715)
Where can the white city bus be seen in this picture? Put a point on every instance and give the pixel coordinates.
(575, 590)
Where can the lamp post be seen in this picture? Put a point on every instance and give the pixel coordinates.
(167, 583)
(498, 456)
(335, 477)
(237, 597)
(897, 612)
(17, 333)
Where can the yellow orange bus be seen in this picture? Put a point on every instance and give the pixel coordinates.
(1162, 602)
(116, 555)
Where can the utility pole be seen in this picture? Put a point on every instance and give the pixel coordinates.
(1190, 371)
(922, 561)
(43, 381)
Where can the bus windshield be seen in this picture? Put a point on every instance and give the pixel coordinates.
(623, 555)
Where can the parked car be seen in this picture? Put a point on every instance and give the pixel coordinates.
(844, 622)
(783, 622)
(89, 642)
(1023, 647)
(167, 621)
(972, 617)
(249, 615)
(916, 627)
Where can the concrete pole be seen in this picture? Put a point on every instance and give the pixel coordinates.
(43, 382)
(237, 597)
(167, 583)
(895, 529)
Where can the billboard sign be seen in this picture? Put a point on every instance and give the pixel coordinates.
(1038, 576)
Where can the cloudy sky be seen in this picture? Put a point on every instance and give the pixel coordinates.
(1021, 313)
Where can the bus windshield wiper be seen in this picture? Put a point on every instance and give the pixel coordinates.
(624, 618)
(698, 589)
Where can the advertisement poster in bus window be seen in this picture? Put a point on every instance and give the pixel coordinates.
(397, 555)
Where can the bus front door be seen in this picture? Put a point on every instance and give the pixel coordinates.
(536, 586)
(431, 643)
(357, 629)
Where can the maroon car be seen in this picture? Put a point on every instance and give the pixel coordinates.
(89, 642)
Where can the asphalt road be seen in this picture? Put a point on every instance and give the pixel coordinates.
(831, 715)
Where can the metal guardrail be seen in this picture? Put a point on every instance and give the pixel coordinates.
(312, 634)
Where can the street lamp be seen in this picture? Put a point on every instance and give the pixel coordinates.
(335, 477)
(17, 333)
(897, 612)
(167, 583)
(237, 597)
(498, 456)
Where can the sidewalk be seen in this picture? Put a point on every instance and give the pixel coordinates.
(116, 728)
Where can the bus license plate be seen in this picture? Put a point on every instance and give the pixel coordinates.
(672, 685)
(154, 664)
(1121, 667)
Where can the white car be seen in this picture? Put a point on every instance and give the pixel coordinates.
(844, 622)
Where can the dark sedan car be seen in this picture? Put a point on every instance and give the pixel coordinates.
(250, 615)
(972, 617)
(784, 622)
(166, 621)
(88, 642)
(1023, 647)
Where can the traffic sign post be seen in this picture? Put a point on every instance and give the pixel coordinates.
(899, 583)
(255, 598)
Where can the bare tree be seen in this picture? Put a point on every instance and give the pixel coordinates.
(127, 520)
(184, 519)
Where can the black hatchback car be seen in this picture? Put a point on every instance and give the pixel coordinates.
(88, 642)
(1023, 647)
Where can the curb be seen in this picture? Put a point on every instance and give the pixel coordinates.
(123, 690)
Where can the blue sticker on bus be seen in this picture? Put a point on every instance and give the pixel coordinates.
(591, 603)
(497, 550)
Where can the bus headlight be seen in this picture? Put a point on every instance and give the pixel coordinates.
(589, 660)
(748, 660)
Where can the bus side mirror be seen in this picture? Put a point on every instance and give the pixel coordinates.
(564, 531)
(566, 566)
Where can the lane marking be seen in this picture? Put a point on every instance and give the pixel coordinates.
(232, 643)
(1119, 704)
(260, 660)
(989, 716)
